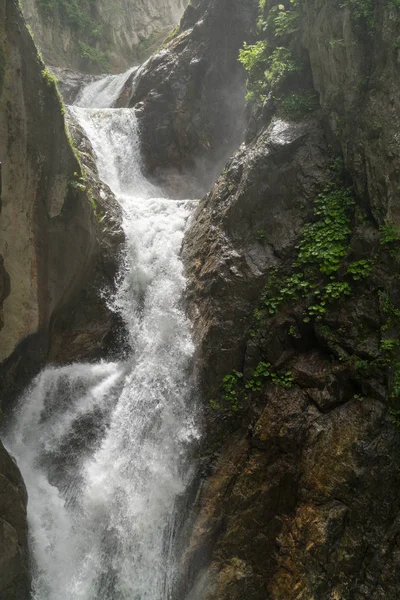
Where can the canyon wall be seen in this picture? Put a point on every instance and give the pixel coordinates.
(292, 261)
(293, 269)
(60, 239)
(100, 36)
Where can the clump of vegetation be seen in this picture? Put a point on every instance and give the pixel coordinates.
(49, 78)
(299, 105)
(235, 388)
(77, 14)
(79, 183)
(270, 61)
(261, 236)
(93, 55)
(390, 239)
(254, 58)
(321, 252)
(51, 82)
(363, 12)
(273, 65)
(360, 269)
(325, 242)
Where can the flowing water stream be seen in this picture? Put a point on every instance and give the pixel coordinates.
(104, 448)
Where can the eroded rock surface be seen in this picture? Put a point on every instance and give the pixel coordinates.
(189, 97)
(60, 239)
(298, 488)
(101, 35)
(14, 559)
(54, 245)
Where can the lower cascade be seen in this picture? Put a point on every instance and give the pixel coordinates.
(105, 448)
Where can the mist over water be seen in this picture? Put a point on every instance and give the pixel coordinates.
(105, 448)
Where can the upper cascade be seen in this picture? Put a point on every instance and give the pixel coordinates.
(105, 92)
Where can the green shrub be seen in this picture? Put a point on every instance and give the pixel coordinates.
(280, 63)
(285, 22)
(269, 61)
(254, 58)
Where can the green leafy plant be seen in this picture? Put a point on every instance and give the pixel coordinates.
(79, 184)
(270, 60)
(49, 78)
(293, 332)
(230, 392)
(284, 380)
(291, 288)
(261, 236)
(391, 312)
(362, 11)
(396, 417)
(280, 63)
(389, 346)
(336, 291)
(395, 393)
(285, 22)
(335, 43)
(361, 269)
(325, 242)
(254, 59)
(390, 239)
(260, 374)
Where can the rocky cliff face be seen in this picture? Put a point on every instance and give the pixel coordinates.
(292, 261)
(189, 97)
(59, 244)
(14, 559)
(47, 207)
(100, 36)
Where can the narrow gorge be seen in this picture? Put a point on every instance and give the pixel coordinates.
(200, 300)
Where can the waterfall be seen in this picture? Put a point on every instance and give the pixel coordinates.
(104, 448)
(103, 93)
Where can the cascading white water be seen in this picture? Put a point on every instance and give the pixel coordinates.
(104, 448)
(103, 93)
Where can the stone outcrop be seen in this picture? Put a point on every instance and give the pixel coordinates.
(52, 241)
(189, 97)
(14, 559)
(100, 36)
(60, 238)
(298, 488)
(355, 69)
